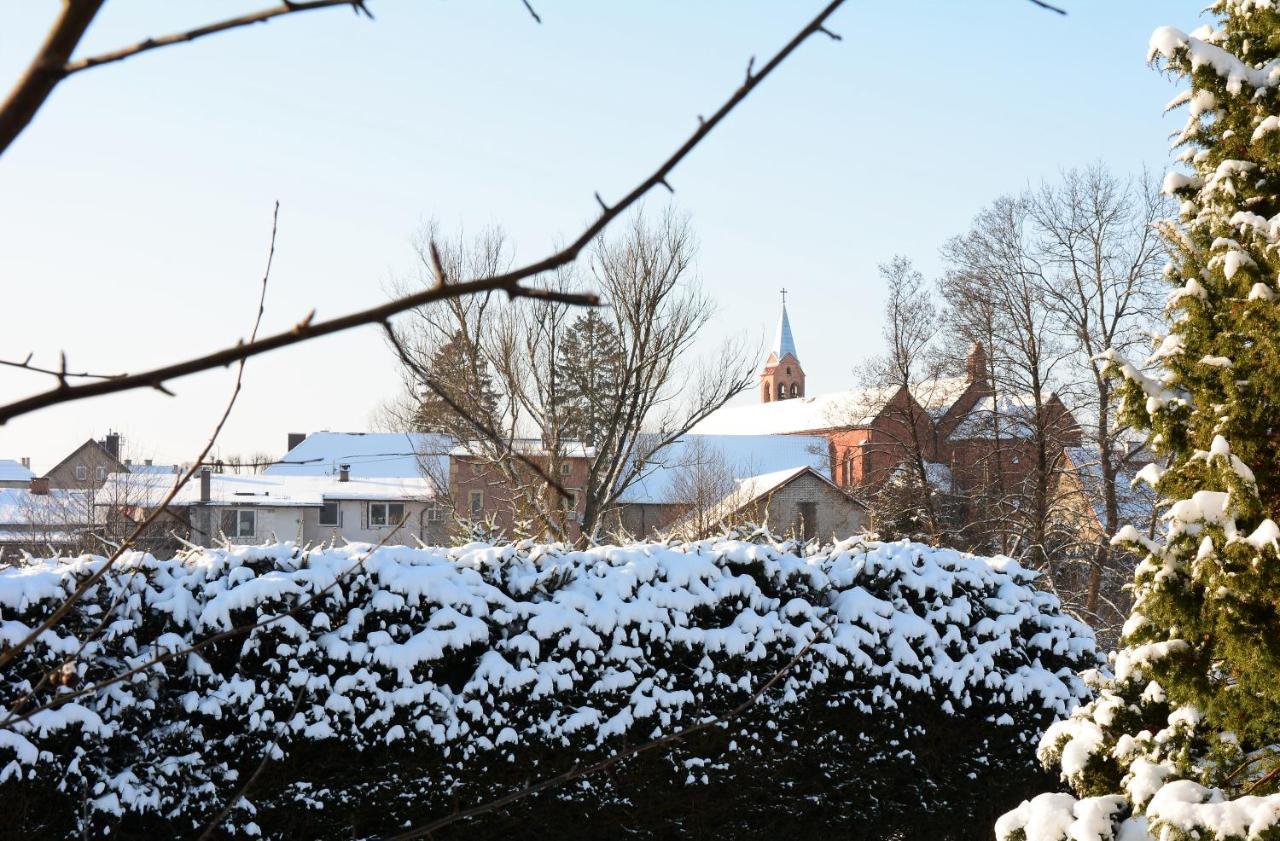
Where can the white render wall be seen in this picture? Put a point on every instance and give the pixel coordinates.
(302, 524)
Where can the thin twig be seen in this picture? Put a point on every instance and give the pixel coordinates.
(582, 771)
(262, 16)
(510, 282)
(61, 374)
(529, 6)
(1049, 6)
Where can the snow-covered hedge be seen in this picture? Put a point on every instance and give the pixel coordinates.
(430, 679)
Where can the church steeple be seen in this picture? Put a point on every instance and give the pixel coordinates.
(782, 377)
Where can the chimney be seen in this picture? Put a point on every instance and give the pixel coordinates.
(205, 485)
(26, 462)
(296, 438)
(976, 367)
(40, 485)
(344, 473)
(112, 444)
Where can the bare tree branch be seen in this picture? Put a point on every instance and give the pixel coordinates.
(61, 374)
(262, 16)
(509, 282)
(53, 62)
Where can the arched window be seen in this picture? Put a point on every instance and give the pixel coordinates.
(795, 390)
(768, 393)
(782, 391)
(847, 468)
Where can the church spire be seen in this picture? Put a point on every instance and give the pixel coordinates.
(783, 341)
(782, 377)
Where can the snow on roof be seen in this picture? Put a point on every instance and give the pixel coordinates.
(742, 455)
(1014, 413)
(370, 454)
(20, 507)
(1135, 503)
(783, 341)
(940, 394)
(154, 468)
(274, 491)
(14, 471)
(835, 410)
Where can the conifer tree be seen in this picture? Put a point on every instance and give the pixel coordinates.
(591, 365)
(453, 368)
(1183, 738)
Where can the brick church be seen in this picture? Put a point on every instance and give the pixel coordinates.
(969, 434)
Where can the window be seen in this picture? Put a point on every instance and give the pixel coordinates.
(240, 522)
(385, 513)
(795, 390)
(435, 512)
(782, 391)
(476, 500)
(329, 514)
(82, 472)
(101, 473)
(564, 469)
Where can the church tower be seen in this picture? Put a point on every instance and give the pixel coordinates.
(782, 377)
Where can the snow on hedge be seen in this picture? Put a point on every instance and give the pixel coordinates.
(485, 654)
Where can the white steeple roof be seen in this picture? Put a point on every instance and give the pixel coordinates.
(783, 341)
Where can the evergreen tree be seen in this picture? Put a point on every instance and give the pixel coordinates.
(1182, 739)
(459, 370)
(590, 366)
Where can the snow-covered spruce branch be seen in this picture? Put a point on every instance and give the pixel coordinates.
(7, 655)
(579, 771)
(511, 282)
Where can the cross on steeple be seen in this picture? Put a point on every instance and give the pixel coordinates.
(784, 296)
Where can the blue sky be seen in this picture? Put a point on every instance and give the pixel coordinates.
(135, 212)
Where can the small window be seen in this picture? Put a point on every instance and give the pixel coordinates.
(782, 391)
(385, 513)
(795, 390)
(477, 468)
(477, 504)
(101, 473)
(329, 514)
(565, 468)
(82, 472)
(435, 512)
(240, 523)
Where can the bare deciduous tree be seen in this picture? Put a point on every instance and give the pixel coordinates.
(656, 311)
(1101, 256)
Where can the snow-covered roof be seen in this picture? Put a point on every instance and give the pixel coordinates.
(742, 455)
(783, 341)
(940, 394)
(370, 454)
(163, 469)
(1015, 414)
(835, 410)
(14, 471)
(1135, 503)
(274, 491)
(20, 507)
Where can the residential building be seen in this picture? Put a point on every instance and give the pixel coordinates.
(41, 521)
(15, 474)
(798, 502)
(88, 465)
(249, 509)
